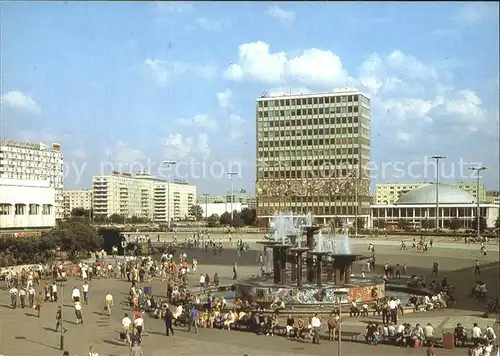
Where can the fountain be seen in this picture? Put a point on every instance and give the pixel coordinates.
(328, 272)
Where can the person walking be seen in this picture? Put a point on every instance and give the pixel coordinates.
(136, 349)
(108, 303)
(169, 317)
(85, 289)
(78, 313)
(193, 319)
(59, 319)
(13, 292)
(476, 268)
(235, 271)
(38, 304)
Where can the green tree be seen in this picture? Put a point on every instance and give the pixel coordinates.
(117, 219)
(497, 222)
(27, 250)
(380, 223)
(360, 223)
(426, 224)
(248, 216)
(213, 220)
(237, 220)
(77, 237)
(482, 224)
(403, 224)
(79, 212)
(196, 212)
(135, 219)
(455, 224)
(225, 218)
(99, 219)
(337, 222)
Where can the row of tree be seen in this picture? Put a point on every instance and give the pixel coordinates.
(245, 217)
(72, 238)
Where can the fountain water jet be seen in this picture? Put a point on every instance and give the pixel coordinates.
(323, 252)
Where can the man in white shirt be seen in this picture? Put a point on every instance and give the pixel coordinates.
(315, 321)
(428, 331)
(13, 291)
(139, 325)
(202, 281)
(22, 297)
(126, 327)
(54, 292)
(476, 333)
(428, 302)
(75, 295)
(85, 289)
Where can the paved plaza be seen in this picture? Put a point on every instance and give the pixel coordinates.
(22, 334)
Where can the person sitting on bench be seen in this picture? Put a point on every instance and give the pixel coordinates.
(354, 311)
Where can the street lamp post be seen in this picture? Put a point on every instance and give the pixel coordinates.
(356, 207)
(437, 158)
(231, 175)
(338, 296)
(61, 336)
(169, 167)
(478, 169)
(206, 195)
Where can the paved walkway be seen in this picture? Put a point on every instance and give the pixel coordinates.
(21, 334)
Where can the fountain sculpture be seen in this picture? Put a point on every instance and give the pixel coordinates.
(328, 269)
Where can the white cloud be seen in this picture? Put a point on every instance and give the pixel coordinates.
(121, 152)
(313, 67)
(201, 121)
(393, 72)
(163, 71)
(178, 147)
(474, 12)
(403, 137)
(15, 99)
(174, 6)
(283, 16)
(208, 25)
(236, 127)
(224, 98)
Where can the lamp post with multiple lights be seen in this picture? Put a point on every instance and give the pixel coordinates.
(231, 175)
(437, 158)
(206, 195)
(478, 169)
(169, 168)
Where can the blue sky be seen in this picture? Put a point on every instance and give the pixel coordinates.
(127, 85)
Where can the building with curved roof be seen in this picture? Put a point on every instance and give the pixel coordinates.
(427, 195)
(418, 208)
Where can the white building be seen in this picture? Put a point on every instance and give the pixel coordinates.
(221, 208)
(142, 196)
(34, 161)
(26, 204)
(77, 199)
(418, 208)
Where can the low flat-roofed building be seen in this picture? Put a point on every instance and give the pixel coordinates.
(26, 204)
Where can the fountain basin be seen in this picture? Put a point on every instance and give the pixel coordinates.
(264, 291)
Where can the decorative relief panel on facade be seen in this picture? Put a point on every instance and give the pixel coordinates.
(302, 188)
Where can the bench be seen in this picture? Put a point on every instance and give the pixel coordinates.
(390, 340)
(428, 340)
(351, 335)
